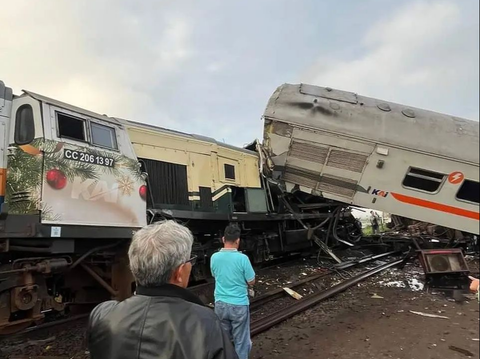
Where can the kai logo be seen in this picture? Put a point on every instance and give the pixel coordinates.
(93, 190)
(380, 193)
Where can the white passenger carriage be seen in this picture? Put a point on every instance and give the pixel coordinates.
(371, 153)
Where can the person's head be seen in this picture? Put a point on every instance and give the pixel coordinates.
(231, 236)
(160, 254)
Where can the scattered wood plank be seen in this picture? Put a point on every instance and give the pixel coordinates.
(429, 315)
(293, 294)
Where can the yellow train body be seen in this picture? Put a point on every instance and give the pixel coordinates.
(210, 165)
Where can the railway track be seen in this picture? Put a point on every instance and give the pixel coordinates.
(264, 323)
(280, 292)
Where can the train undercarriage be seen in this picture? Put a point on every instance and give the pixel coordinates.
(44, 278)
(41, 280)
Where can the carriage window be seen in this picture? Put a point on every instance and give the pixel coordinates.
(103, 136)
(229, 172)
(469, 191)
(423, 180)
(71, 127)
(24, 125)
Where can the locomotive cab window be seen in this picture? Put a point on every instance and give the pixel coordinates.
(469, 191)
(103, 136)
(71, 127)
(423, 180)
(24, 125)
(229, 172)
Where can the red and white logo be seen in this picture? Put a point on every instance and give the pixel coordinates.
(456, 177)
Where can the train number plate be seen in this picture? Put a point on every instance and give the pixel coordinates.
(89, 158)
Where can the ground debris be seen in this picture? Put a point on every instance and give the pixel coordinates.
(462, 351)
(40, 342)
(428, 315)
(28, 343)
(292, 293)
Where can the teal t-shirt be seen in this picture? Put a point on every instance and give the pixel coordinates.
(231, 270)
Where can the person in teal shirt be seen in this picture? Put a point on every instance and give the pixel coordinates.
(233, 274)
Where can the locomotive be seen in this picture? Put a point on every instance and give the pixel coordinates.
(75, 185)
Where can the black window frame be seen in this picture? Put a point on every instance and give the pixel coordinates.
(460, 189)
(20, 125)
(85, 127)
(228, 178)
(426, 175)
(88, 131)
(92, 123)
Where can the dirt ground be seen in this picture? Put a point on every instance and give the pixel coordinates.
(355, 325)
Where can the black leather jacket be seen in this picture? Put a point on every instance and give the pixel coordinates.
(166, 322)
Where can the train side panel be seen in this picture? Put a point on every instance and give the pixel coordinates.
(6, 97)
(201, 174)
(421, 187)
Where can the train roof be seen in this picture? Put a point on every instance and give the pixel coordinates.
(69, 107)
(388, 123)
(121, 121)
(186, 135)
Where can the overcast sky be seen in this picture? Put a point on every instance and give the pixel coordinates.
(210, 66)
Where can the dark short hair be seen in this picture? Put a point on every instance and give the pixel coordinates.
(232, 232)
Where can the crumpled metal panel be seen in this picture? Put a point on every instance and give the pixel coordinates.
(308, 152)
(337, 185)
(282, 129)
(301, 177)
(347, 160)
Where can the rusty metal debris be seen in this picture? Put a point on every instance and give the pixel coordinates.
(445, 268)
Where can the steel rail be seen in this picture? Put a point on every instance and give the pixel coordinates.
(261, 325)
(44, 326)
(279, 293)
(355, 262)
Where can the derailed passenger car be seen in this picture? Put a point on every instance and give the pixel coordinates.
(375, 154)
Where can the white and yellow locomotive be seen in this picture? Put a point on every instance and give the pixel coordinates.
(75, 185)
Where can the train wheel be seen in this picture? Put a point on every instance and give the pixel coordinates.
(20, 306)
(8, 326)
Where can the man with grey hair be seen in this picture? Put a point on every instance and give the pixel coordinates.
(163, 320)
